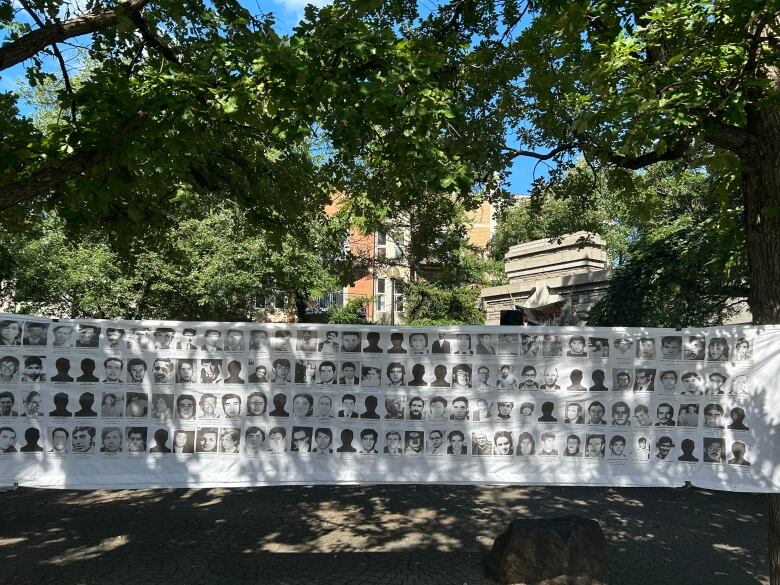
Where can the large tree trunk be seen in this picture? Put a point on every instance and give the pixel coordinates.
(761, 190)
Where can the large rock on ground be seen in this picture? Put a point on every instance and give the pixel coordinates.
(559, 551)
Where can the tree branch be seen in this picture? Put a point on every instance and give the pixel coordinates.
(515, 152)
(675, 151)
(28, 45)
(81, 161)
(732, 138)
(151, 38)
(58, 55)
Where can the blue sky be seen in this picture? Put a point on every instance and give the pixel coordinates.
(288, 13)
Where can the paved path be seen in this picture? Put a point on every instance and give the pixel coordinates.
(363, 535)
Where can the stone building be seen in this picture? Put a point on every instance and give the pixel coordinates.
(556, 283)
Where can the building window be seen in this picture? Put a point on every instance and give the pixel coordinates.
(380, 249)
(381, 301)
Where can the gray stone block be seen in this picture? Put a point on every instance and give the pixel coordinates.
(559, 551)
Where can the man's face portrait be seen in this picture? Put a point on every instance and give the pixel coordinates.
(35, 332)
(113, 336)
(529, 377)
(59, 441)
(456, 443)
(596, 413)
(623, 380)
(212, 338)
(617, 447)
(163, 339)
(527, 410)
(694, 349)
(643, 378)
(417, 342)
(82, 442)
(595, 445)
(367, 441)
(348, 372)
(113, 370)
(664, 414)
(416, 407)
(208, 442)
(186, 408)
(232, 407)
(714, 451)
(234, 338)
(394, 441)
(301, 441)
(32, 404)
(505, 371)
(326, 373)
(572, 411)
(162, 370)
(281, 371)
(209, 406)
(505, 408)
(624, 345)
(348, 406)
(7, 439)
(8, 368)
(621, 414)
(395, 374)
(87, 336)
(480, 438)
(323, 441)
(671, 349)
(277, 443)
(459, 409)
(372, 377)
(502, 445)
(255, 405)
(669, 381)
(62, 335)
(137, 372)
(572, 444)
(414, 440)
(435, 438)
(186, 371)
(712, 418)
(549, 443)
(550, 376)
(33, 370)
(437, 409)
(135, 443)
(577, 345)
(112, 442)
(301, 406)
(484, 375)
(350, 342)
(463, 341)
(6, 405)
(645, 349)
(324, 404)
(693, 383)
(462, 378)
(642, 417)
(664, 447)
(254, 442)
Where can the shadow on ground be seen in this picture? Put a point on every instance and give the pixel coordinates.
(364, 534)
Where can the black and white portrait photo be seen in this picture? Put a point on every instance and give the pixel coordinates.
(9, 370)
(160, 442)
(254, 441)
(229, 441)
(115, 338)
(63, 335)
(350, 342)
(301, 440)
(35, 370)
(714, 450)
(111, 440)
(323, 441)
(207, 440)
(10, 332)
(112, 405)
(32, 439)
(414, 442)
(35, 334)
(185, 407)
(136, 404)
(183, 441)
(368, 441)
(136, 440)
(83, 440)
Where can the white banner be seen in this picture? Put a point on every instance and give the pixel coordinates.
(116, 404)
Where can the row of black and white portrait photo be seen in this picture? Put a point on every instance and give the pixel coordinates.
(716, 347)
(661, 446)
(149, 370)
(388, 405)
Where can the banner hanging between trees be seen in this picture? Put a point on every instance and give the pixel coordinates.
(117, 404)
